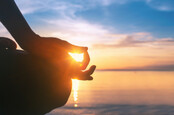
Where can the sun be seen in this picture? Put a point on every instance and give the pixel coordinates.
(77, 57)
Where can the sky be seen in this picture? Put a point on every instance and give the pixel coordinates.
(120, 34)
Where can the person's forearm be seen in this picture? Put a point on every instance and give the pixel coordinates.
(13, 20)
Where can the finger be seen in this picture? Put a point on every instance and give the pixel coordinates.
(86, 75)
(73, 48)
(82, 77)
(68, 46)
(85, 61)
(91, 70)
(85, 78)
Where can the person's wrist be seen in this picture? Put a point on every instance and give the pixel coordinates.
(29, 41)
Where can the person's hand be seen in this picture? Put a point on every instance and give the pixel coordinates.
(57, 52)
(55, 49)
(85, 75)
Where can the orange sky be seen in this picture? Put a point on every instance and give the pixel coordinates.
(119, 35)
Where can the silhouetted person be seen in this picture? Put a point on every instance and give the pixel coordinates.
(37, 79)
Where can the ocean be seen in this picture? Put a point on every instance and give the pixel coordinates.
(122, 93)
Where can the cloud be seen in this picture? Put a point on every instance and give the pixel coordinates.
(29, 6)
(65, 23)
(33, 6)
(37, 6)
(78, 30)
(71, 7)
(137, 40)
(162, 5)
(105, 2)
(3, 31)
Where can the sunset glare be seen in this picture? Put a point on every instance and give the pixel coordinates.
(77, 57)
(120, 34)
(87, 57)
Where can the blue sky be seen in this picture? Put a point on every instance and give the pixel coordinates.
(107, 25)
(135, 16)
(123, 16)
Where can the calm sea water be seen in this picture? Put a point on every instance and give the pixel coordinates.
(117, 93)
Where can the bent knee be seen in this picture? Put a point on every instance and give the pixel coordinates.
(7, 44)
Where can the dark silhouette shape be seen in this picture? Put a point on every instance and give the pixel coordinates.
(37, 79)
(30, 85)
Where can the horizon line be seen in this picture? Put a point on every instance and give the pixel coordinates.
(134, 70)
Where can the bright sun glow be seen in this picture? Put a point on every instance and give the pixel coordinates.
(77, 57)
(75, 88)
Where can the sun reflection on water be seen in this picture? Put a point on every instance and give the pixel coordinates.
(75, 88)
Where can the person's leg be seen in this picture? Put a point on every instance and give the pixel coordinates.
(28, 84)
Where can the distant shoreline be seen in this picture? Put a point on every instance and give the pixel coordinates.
(132, 70)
